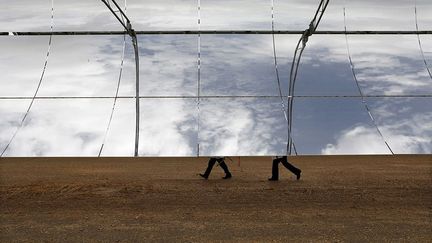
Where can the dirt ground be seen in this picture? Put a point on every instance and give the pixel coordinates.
(338, 199)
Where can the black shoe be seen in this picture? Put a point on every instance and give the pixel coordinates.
(203, 176)
(273, 179)
(298, 175)
(227, 176)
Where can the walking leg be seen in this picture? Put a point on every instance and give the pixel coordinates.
(296, 171)
(275, 170)
(210, 165)
(226, 170)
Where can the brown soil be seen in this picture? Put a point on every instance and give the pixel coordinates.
(339, 198)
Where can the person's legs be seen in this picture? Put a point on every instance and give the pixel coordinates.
(210, 165)
(296, 171)
(225, 168)
(275, 170)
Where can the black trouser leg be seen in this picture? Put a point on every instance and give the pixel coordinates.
(275, 169)
(211, 163)
(224, 167)
(289, 166)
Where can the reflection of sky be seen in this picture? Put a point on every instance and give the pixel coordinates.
(20, 72)
(237, 127)
(319, 125)
(380, 15)
(161, 56)
(390, 65)
(57, 128)
(242, 65)
(91, 69)
(230, 65)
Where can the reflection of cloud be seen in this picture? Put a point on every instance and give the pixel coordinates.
(412, 134)
(11, 113)
(165, 125)
(384, 65)
(358, 140)
(21, 63)
(231, 65)
(237, 14)
(168, 65)
(242, 127)
(62, 128)
(216, 14)
(409, 135)
(25, 15)
(82, 66)
(163, 14)
(238, 65)
(380, 15)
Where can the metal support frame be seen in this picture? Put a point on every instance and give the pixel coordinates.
(137, 95)
(301, 45)
(212, 97)
(220, 32)
(131, 32)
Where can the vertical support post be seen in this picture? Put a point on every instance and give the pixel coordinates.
(137, 95)
(199, 79)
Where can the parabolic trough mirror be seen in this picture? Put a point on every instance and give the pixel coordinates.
(216, 78)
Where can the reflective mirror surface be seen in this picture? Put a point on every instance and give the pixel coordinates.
(335, 126)
(81, 15)
(242, 127)
(405, 122)
(235, 14)
(391, 65)
(297, 14)
(61, 128)
(325, 68)
(168, 65)
(163, 14)
(424, 18)
(168, 127)
(83, 66)
(16, 15)
(21, 63)
(215, 94)
(237, 65)
(11, 114)
(380, 15)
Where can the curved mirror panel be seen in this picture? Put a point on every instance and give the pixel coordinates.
(84, 15)
(168, 66)
(235, 15)
(168, 127)
(426, 44)
(334, 126)
(424, 16)
(25, 15)
(83, 66)
(380, 15)
(389, 65)
(22, 61)
(297, 14)
(285, 46)
(163, 14)
(11, 115)
(120, 139)
(238, 65)
(405, 122)
(62, 128)
(235, 127)
(325, 68)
